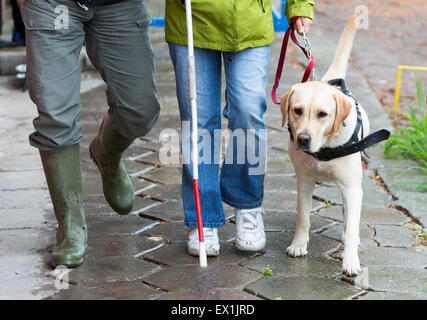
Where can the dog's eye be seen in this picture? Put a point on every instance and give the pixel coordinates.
(322, 114)
(298, 111)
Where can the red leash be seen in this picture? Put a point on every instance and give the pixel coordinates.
(310, 67)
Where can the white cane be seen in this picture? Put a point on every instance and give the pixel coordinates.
(194, 136)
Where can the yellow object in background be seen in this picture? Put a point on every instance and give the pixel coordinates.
(399, 75)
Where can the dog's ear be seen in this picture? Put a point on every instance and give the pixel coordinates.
(284, 105)
(342, 111)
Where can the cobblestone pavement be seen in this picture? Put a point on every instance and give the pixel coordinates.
(143, 255)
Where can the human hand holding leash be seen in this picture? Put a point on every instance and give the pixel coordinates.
(302, 25)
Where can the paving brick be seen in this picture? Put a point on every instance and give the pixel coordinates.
(281, 265)
(302, 288)
(195, 278)
(366, 234)
(394, 236)
(277, 242)
(120, 290)
(109, 269)
(279, 221)
(116, 225)
(369, 215)
(209, 294)
(176, 254)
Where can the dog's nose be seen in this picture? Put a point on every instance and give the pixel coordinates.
(304, 139)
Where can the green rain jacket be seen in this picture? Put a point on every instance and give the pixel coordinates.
(229, 25)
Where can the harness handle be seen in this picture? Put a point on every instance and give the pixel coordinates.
(306, 50)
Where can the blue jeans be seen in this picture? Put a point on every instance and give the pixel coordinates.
(241, 184)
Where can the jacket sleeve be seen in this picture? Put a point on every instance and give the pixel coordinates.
(299, 8)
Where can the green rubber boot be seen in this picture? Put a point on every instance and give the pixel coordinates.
(64, 179)
(106, 150)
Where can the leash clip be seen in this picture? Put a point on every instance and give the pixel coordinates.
(307, 47)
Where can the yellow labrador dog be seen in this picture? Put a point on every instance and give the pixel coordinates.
(321, 116)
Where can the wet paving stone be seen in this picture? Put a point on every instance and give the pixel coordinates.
(410, 257)
(302, 288)
(280, 166)
(99, 269)
(164, 175)
(281, 265)
(373, 194)
(393, 278)
(164, 191)
(176, 254)
(209, 294)
(394, 296)
(279, 221)
(278, 242)
(177, 232)
(118, 246)
(367, 238)
(369, 215)
(151, 159)
(192, 277)
(414, 202)
(120, 290)
(142, 204)
(116, 225)
(278, 182)
(394, 236)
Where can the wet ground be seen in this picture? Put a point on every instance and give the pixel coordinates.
(143, 255)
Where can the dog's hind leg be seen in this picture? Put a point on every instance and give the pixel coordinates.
(352, 199)
(305, 192)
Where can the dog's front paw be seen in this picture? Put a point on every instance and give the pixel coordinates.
(351, 265)
(297, 250)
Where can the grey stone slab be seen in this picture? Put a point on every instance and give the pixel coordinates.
(165, 175)
(21, 162)
(396, 179)
(415, 203)
(22, 180)
(120, 290)
(278, 242)
(279, 201)
(177, 232)
(394, 236)
(118, 246)
(38, 199)
(393, 278)
(279, 221)
(209, 294)
(302, 288)
(26, 218)
(116, 225)
(164, 191)
(366, 234)
(176, 254)
(410, 257)
(111, 269)
(281, 265)
(373, 194)
(279, 182)
(394, 296)
(25, 241)
(167, 211)
(192, 277)
(369, 215)
(281, 166)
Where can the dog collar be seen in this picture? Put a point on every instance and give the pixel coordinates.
(354, 144)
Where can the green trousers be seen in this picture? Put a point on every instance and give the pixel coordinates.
(117, 43)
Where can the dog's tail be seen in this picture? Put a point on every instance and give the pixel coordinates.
(339, 65)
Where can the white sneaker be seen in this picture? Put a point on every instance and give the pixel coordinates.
(211, 242)
(250, 235)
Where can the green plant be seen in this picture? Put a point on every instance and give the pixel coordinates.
(411, 142)
(267, 273)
